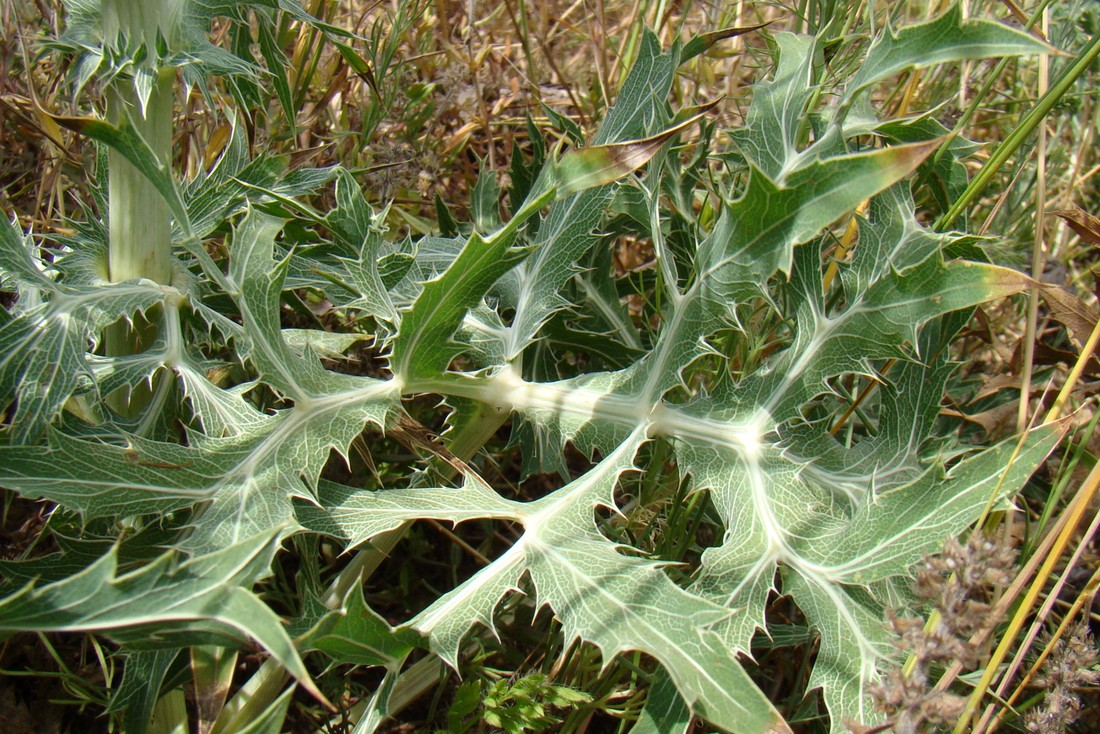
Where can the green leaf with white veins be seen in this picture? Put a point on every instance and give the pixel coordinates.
(20, 267)
(142, 676)
(425, 344)
(855, 641)
(163, 603)
(259, 283)
(249, 477)
(908, 406)
(613, 600)
(357, 635)
(947, 38)
(777, 117)
(44, 352)
(567, 233)
(891, 531)
(283, 455)
(357, 515)
(620, 603)
(783, 511)
(355, 226)
(754, 237)
(830, 568)
(246, 477)
(802, 410)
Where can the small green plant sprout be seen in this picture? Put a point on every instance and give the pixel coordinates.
(523, 705)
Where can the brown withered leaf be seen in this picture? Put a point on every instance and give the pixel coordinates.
(983, 330)
(1045, 354)
(701, 43)
(595, 165)
(996, 422)
(415, 436)
(1077, 316)
(996, 384)
(1080, 221)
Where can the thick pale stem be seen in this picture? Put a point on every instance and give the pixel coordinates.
(140, 222)
(140, 20)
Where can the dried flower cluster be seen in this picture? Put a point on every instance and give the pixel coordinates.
(956, 584)
(1068, 668)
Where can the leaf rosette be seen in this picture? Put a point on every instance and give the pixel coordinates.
(742, 374)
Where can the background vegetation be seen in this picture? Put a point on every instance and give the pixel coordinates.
(433, 109)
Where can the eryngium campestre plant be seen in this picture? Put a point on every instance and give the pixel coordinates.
(741, 374)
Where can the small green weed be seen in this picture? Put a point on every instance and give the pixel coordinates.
(515, 706)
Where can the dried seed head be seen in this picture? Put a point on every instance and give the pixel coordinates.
(958, 584)
(1066, 669)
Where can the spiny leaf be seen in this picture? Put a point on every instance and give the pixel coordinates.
(128, 142)
(44, 353)
(357, 635)
(259, 283)
(776, 121)
(567, 232)
(163, 603)
(755, 236)
(947, 38)
(854, 643)
(423, 347)
(357, 515)
(621, 603)
(20, 266)
(807, 414)
(617, 602)
(357, 229)
(142, 677)
(248, 475)
(892, 530)
(442, 303)
(826, 554)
